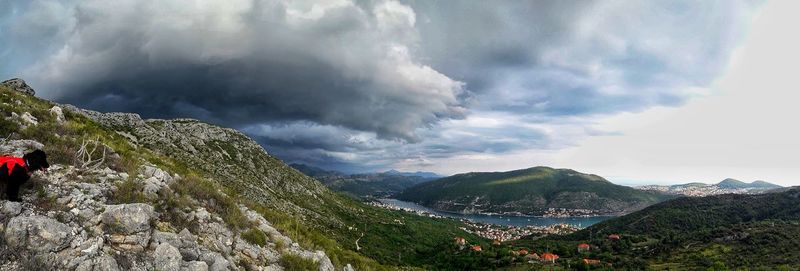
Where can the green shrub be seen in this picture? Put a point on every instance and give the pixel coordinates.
(255, 236)
(213, 199)
(7, 127)
(129, 191)
(291, 262)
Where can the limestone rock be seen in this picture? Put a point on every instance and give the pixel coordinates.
(196, 266)
(19, 147)
(56, 111)
(168, 258)
(102, 263)
(38, 233)
(19, 85)
(27, 118)
(128, 218)
(11, 208)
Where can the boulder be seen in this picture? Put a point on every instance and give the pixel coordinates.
(19, 85)
(27, 118)
(128, 218)
(58, 113)
(38, 233)
(196, 266)
(168, 258)
(102, 263)
(19, 147)
(128, 225)
(11, 209)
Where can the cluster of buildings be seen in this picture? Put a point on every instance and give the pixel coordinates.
(507, 233)
(398, 208)
(563, 212)
(700, 190)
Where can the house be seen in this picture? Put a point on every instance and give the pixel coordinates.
(591, 262)
(496, 242)
(549, 257)
(613, 237)
(583, 247)
(476, 248)
(522, 252)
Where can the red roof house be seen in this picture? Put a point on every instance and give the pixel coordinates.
(476, 248)
(613, 236)
(549, 257)
(583, 247)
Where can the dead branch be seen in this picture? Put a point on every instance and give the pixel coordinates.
(91, 155)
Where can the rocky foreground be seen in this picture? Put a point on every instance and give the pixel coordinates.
(121, 211)
(69, 223)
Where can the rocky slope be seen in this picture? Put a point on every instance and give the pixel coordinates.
(130, 207)
(244, 209)
(533, 191)
(71, 224)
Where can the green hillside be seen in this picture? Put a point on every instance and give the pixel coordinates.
(756, 232)
(528, 191)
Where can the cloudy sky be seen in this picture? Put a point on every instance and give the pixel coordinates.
(636, 91)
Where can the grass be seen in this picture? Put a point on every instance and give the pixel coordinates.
(255, 237)
(129, 191)
(291, 262)
(212, 198)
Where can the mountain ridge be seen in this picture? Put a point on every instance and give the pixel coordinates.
(364, 185)
(530, 191)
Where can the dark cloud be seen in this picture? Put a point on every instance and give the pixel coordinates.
(270, 62)
(372, 84)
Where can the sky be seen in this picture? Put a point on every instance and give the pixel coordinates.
(639, 92)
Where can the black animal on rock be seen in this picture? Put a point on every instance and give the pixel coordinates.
(15, 171)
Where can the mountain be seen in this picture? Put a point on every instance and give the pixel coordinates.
(732, 184)
(727, 186)
(126, 193)
(423, 174)
(532, 191)
(736, 184)
(753, 232)
(366, 185)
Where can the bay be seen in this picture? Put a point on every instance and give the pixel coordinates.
(518, 221)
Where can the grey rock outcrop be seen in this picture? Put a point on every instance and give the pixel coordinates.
(19, 85)
(128, 225)
(168, 258)
(37, 233)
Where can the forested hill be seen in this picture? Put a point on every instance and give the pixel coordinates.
(530, 191)
(756, 232)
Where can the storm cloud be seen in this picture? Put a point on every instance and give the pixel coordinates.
(362, 85)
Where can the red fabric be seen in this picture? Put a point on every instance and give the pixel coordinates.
(12, 162)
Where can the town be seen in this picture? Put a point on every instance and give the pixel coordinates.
(508, 233)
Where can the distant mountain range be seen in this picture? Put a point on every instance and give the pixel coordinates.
(532, 191)
(727, 186)
(367, 185)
